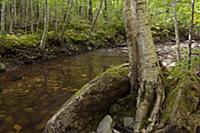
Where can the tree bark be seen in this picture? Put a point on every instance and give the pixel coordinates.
(3, 8)
(88, 103)
(191, 33)
(46, 25)
(32, 16)
(150, 91)
(130, 14)
(95, 19)
(66, 20)
(90, 12)
(176, 31)
(56, 14)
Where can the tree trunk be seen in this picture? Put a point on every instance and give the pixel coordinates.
(56, 14)
(10, 18)
(66, 20)
(46, 25)
(149, 72)
(191, 33)
(130, 14)
(32, 16)
(3, 8)
(15, 11)
(86, 106)
(176, 31)
(27, 14)
(90, 12)
(95, 19)
(105, 11)
(38, 15)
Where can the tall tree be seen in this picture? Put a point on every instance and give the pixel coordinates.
(149, 72)
(3, 8)
(56, 14)
(66, 20)
(191, 32)
(90, 12)
(32, 16)
(95, 19)
(176, 31)
(46, 25)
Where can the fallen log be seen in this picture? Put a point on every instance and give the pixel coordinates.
(90, 103)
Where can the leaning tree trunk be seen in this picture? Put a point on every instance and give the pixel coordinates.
(90, 103)
(95, 19)
(149, 72)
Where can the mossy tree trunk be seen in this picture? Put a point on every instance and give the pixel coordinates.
(150, 88)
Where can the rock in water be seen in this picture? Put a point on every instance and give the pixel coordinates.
(2, 67)
(81, 113)
(106, 125)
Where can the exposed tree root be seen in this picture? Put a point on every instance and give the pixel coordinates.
(157, 106)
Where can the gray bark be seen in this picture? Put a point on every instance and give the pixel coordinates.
(46, 25)
(149, 72)
(176, 31)
(191, 33)
(3, 8)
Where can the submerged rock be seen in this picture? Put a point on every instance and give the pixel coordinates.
(129, 122)
(106, 125)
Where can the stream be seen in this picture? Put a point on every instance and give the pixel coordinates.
(31, 94)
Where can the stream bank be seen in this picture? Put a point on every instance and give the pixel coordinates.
(24, 49)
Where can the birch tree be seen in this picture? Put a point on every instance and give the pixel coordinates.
(149, 72)
(46, 25)
(176, 31)
(191, 32)
(3, 8)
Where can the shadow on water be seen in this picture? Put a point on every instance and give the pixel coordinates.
(31, 94)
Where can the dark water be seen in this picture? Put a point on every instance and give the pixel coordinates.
(30, 95)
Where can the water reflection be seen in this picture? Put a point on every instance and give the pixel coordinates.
(30, 95)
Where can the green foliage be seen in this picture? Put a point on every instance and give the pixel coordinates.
(8, 41)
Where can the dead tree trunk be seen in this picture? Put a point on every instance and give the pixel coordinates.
(86, 106)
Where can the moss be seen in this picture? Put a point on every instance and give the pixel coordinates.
(182, 96)
(119, 70)
(182, 104)
(10, 41)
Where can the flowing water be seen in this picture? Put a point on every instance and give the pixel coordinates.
(30, 95)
